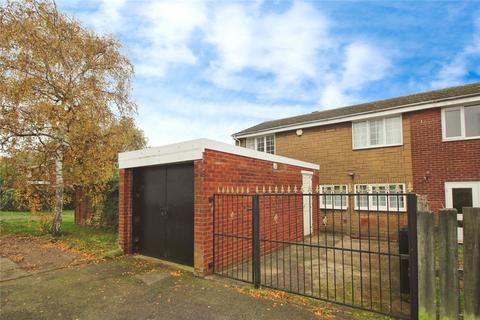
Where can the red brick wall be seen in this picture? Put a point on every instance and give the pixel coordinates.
(218, 169)
(281, 219)
(435, 162)
(125, 210)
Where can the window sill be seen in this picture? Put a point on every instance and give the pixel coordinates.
(379, 146)
(460, 139)
(371, 210)
(382, 210)
(334, 208)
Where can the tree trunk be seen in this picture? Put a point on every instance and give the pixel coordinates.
(57, 215)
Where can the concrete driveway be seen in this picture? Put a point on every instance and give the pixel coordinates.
(132, 288)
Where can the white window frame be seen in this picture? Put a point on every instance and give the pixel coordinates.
(384, 144)
(372, 195)
(322, 197)
(462, 124)
(255, 143)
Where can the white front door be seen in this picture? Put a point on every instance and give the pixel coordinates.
(459, 195)
(307, 202)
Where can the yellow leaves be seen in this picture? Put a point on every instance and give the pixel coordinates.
(176, 274)
(17, 258)
(323, 313)
(265, 294)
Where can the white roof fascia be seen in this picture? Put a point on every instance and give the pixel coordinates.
(193, 150)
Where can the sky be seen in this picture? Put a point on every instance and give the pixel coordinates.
(207, 69)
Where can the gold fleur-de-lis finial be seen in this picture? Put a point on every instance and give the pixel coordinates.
(248, 190)
(269, 189)
(275, 189)
(282, 189)
(218, 190)
(256, 189)
(263, 189)
(242, 189)
(295, 189)
(397, 188)
(275, 218)
(223, 189)
(288, 189)
(409, 187)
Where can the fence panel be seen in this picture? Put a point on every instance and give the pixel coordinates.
(471, 263)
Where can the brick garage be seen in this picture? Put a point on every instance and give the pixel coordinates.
(215, 165)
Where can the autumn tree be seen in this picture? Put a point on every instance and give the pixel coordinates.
(64, 99)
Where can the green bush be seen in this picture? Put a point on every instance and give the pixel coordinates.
(110, 208)
(8, 201)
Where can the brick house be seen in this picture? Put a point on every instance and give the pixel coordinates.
(428, 143)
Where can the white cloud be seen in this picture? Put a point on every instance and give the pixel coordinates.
(169, 116)
(107, 18)
(269, 56)
(363, 63)
(284, 45)
(166, 33)
(453, 72)
(333, 95)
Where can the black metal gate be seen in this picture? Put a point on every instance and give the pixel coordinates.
(163, 212)
(353, 249)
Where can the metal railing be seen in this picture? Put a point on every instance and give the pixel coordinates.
(335, 247)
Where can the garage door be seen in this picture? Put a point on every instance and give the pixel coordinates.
(163, 212)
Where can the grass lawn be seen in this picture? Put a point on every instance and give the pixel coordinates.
(100, 242)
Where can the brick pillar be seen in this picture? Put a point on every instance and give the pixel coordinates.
(125, 210)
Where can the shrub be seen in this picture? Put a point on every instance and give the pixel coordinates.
(8, 201)
(110, 207)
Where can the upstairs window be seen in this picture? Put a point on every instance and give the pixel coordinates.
(262, 144)
(379, 132)
(461, 123)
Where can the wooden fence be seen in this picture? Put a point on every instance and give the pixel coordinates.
(449, 272)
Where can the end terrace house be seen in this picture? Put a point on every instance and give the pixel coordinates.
(427, 143)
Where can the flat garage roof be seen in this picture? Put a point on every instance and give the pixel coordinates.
(193, 150)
